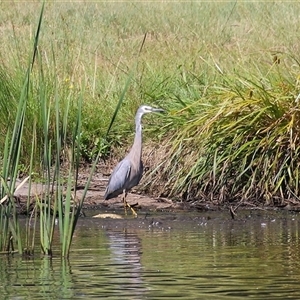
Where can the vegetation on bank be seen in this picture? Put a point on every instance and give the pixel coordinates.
(227, 73)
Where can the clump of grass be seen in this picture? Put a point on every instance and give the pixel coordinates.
(239, 142)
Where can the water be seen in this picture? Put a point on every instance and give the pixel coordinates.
(189, 256)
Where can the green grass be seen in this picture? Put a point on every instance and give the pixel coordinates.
(227, 72)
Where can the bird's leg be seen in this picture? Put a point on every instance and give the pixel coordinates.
(128, 205)
(124, 201)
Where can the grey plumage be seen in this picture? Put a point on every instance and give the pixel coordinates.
(129, 171)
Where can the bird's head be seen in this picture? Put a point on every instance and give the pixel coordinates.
(143, 109)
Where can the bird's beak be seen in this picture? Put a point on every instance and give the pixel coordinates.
(160, 110)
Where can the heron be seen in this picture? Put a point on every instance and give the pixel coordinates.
(129, 171)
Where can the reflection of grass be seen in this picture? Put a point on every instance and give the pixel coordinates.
(226, 71)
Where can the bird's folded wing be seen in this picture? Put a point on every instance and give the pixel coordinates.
(118, 179)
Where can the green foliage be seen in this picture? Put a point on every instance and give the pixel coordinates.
(238, 142)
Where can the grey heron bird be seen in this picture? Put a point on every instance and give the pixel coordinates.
(129, 171)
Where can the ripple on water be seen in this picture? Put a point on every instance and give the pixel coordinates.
(223, 259)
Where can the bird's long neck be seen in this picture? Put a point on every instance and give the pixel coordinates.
(136, 149)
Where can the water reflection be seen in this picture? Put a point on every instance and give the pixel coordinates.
(125, 267)
(35, 278)
(188, 257)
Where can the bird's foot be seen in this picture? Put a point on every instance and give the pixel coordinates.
(126, 205)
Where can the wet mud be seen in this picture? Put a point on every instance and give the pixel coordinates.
(94, 199)
(143, 204)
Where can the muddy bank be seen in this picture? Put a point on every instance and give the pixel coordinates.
(142, 203)
(95, 197)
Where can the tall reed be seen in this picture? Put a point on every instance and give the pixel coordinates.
(58, 202)
(10, 233)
